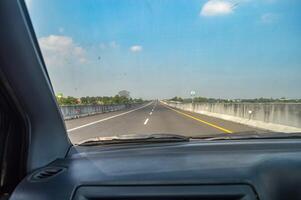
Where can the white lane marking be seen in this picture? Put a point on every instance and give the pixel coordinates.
(150, 113)
(146, 121)
(154, 107)
(101, 120)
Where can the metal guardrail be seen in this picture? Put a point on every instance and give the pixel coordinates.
(76, 111)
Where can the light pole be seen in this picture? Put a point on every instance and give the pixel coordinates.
(192, 94)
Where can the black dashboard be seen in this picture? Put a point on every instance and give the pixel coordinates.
(242, 169)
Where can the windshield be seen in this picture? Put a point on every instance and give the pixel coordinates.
(184, 67)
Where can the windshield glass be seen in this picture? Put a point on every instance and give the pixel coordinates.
(185, 67)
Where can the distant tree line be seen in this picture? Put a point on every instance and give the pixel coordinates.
(219, 100)
(98, 100)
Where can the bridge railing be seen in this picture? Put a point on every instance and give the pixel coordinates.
(271, 116)
(76, 111)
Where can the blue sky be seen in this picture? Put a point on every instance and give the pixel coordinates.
(166, 48)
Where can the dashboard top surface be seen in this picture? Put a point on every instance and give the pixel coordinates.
(270, 167)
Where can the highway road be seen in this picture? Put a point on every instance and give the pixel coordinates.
(153, 117)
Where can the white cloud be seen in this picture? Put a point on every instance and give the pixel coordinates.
(114, 45)
(102, 46)
(217, 7)
(270, 1)
(61, 29)
(269, 18)
(59, 50)
(136, 48)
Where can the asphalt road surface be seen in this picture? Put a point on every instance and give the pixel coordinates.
(153, 117)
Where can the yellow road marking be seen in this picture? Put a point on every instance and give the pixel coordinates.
(200, 120)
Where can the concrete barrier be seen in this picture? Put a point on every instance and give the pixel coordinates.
(76, 111)
(282, 117)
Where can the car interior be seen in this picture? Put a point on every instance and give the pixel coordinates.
(38, 161)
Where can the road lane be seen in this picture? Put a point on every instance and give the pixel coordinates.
(151, 118)
(105, 118)
(200, 120)
(132, 122)
(73, 123)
